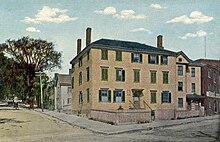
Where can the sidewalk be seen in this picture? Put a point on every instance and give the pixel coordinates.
(108, 129)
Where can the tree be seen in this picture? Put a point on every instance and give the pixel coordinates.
(32, 55)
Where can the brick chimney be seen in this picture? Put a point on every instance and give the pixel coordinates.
(160, 41)
(79, 43)
(88, 36)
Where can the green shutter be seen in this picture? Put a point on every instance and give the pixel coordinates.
(109, 95)
(162, 97)
(148, 58)
(123, 96)
(132, 57)
(114, 98)
(123, 75)
(169, 97)
(140, 58)
(100, 95)
(157, 59)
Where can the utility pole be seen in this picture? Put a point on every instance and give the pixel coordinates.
(41, 90)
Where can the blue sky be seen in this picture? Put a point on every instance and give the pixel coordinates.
(184, 24)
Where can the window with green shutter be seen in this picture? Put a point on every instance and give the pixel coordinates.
(104, 73)
(165, 97)
(165, 77)
(153, 75)
(153, 94)
(104, 54)
(104, 95)
(136, 75)
(118, 55)
(119, 96)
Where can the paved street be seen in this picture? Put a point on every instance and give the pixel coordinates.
(28, 125)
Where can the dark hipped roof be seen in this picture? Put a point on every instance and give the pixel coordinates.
(128, 45)
(125, 45)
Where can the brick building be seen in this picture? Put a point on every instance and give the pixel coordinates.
(112, 74)
(210, 83)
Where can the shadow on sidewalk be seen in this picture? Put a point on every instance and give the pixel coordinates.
(11, 120)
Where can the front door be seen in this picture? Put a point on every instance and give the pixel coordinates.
(137, 93)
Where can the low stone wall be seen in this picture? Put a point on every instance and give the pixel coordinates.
(175, 114)
(118, 117)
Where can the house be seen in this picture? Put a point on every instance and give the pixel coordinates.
(210, 83)
(63, 92)
(110, 75)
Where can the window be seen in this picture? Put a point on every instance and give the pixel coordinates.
(80, 61)
(164, 60)
(215, 106)
(87, 74)
(104, 73)
(118, 55)
(69, 90)
(180, 86)
(180, 70)
(88, 98)
(214, 77)
(193, 72)
(104, 55)
(69, 101)
(180, 102)
(80, 78)
(180, 59)
(153, 75)
(88, 53)
(166, 97)
(119, 96)
(136, 75)
(165, 77)
(136, 57)
(153, 59)
(153, 97)
(209, 87)
(104, 95)
(120, 75)
(193, 87)
(210, 73)
(210, 104)
(80, 97)
(72, 82)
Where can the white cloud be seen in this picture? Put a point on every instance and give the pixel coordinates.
(129, 14)
(32, 29)
(47, 14)
(199, 33)
(142, 30)
(194, 17)
(107, 11)
(157, 6)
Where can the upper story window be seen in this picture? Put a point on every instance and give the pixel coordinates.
(180, 70)
(87, 74)
(210, 73)
(80, 62)
(165, 77)
(69, 90)
(136, 75)
(80, 78)
(214, 77)
(164, 60)
(193, 73)
(104, 54)
(180, 59)
(209, 87)
(120, 75)
(153, 59)
(136, 57)
(193, 87)
(153, 75)
(118, 55)
(104, 73)
(180, 86)
(104, 95)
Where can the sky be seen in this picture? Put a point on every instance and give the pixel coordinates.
(186, 25)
